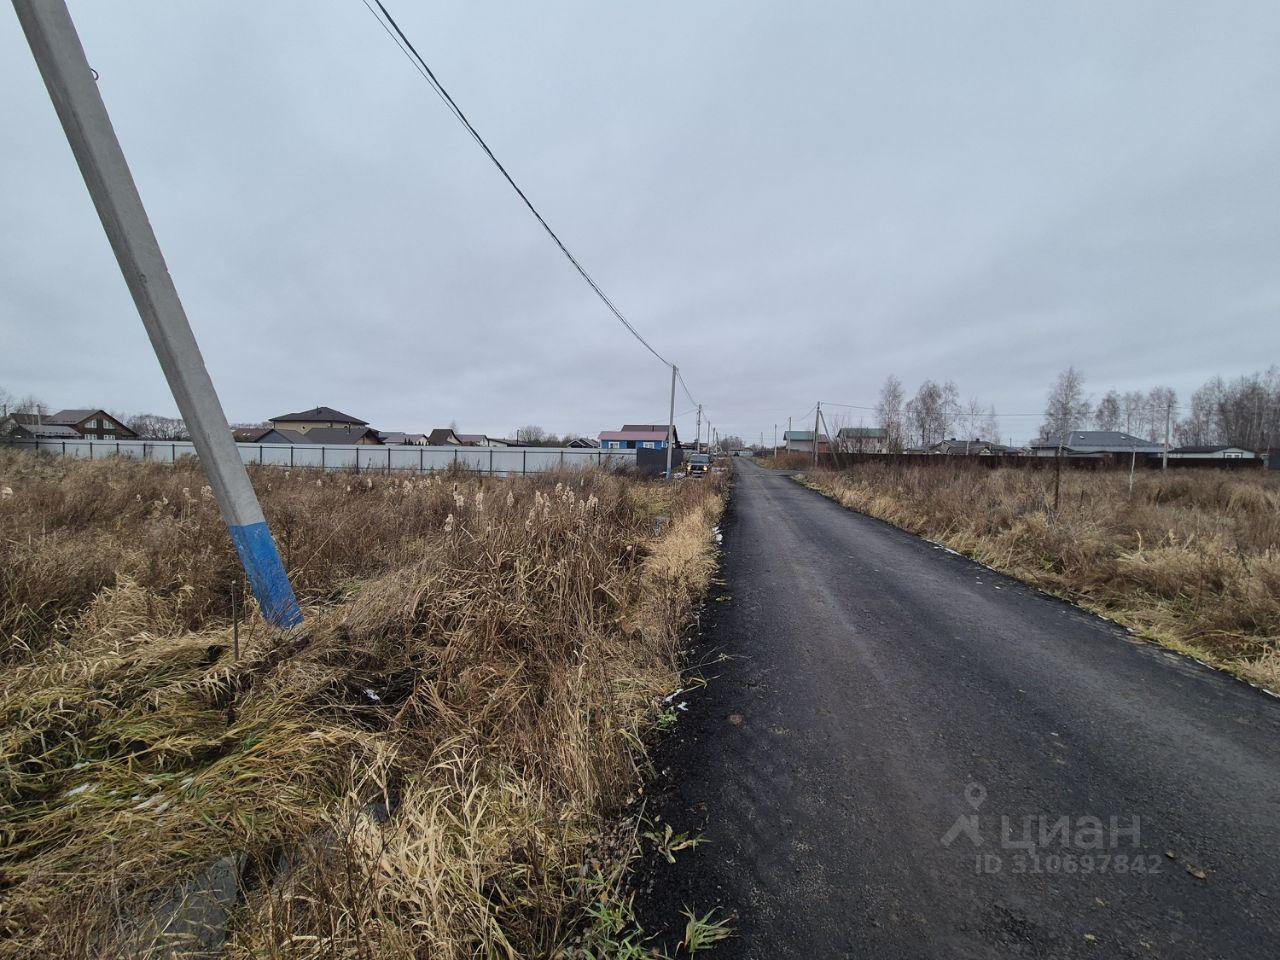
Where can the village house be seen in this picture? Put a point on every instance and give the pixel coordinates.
(862, 440)
(66, 425)
(267, 435)
(638, 436)
(1093, 443)
(444, 437)
(976, 447)
(801, 441)
(1212, 452)
(31, 426)
(481, 440)
(399, 438)
(322, 425)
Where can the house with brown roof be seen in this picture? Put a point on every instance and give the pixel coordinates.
(444, 437)
(92, 424)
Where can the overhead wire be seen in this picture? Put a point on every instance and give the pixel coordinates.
(406, 46)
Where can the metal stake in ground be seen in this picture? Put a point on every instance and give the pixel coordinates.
(69, 79)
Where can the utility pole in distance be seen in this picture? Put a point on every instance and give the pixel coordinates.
(697, 437)
(59, 55)
(817, 412)
(671, 419)
(1168, 416)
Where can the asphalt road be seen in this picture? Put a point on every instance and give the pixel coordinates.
(894, 724)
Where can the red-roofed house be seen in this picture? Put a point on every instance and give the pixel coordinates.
(637, 436)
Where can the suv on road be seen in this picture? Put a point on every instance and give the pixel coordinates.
(697, 464)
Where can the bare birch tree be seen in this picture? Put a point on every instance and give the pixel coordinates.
(1067, 407)
(889, 413)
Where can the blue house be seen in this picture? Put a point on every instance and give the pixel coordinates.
(638, 436)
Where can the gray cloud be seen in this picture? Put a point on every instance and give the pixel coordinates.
(791, 201)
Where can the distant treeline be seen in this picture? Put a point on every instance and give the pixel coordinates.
(1244, 412)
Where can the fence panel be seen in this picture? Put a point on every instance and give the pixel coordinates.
(500, 461)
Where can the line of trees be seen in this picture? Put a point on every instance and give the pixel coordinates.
(1244, 412)
(934, 413)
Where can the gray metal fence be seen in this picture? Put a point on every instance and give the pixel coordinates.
(498, 461)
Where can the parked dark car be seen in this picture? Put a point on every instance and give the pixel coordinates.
(697, 464)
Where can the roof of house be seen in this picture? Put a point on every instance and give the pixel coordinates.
(639, 433)
(584, 442)
(41, 428)
(443, 436)
(250, 434)
(394, 437)
(322, 415)
(1097, 441)
(863, 433)
(72, 417)
(477, 440)
(645, 426)
(334, 435)
(960, 444)
(1210, 448)
(797, 435)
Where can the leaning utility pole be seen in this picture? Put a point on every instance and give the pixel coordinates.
(70, 81)
(671, 419)
(816, 414)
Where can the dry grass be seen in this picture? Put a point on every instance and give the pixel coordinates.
(483, 657)
(1192, 559)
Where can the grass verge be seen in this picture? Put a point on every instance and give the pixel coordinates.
(435, 765)
(1190, 559)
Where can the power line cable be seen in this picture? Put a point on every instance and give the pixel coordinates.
(406, 46)
(685, 387)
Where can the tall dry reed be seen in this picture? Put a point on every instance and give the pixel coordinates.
(482, 659)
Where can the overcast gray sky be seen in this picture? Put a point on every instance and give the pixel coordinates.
(790, 200)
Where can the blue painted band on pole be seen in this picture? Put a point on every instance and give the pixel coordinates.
(266, 574)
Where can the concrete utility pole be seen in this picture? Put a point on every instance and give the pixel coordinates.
(775, 438)
(1168, 416)
(697, 437)
(817, 412)
(832, 445)
(671, 419)
(69, 79)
